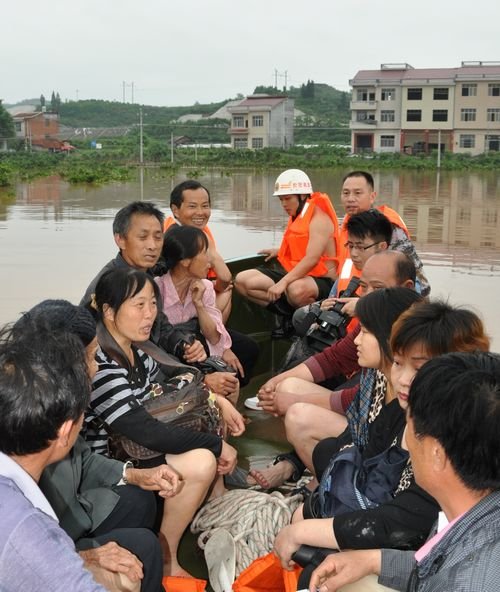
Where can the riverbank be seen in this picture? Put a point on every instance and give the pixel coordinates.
(119, 160)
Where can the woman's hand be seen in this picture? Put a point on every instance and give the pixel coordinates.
(194, 352)
(277, 290)
(226, 462)
(197, 289)
(232, 417)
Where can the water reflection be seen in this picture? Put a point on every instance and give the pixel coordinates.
(54, 237)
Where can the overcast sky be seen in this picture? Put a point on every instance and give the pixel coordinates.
(177, 52)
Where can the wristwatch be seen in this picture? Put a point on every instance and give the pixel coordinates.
(128, 465)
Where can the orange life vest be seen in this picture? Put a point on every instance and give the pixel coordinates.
(296, 238)
(171, 220)
(342, 251)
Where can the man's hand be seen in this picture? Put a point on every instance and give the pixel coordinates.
(116, 559)
(230, 358)
(194, 352)
(270, 385)
(348, 308)
(226, 462)
(232, 417)
(267, 401)
(277, 290)
(222, 383)
(343, 568)
(163, 479)
(269, 253)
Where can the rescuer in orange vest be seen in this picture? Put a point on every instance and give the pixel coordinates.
(306, 260)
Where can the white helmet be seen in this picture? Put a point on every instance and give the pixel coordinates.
(293, 182)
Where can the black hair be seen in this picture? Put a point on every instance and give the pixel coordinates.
(455, 399)
(378, 311)
(113, 289)
(370, 224)
(366, 176)
(119, 284)
(121, 222)
(182, 242)
(59, 315)
(404, 268)
(176, 197)
(440, 328)
(43, 383)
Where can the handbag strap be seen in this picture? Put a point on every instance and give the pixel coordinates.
(163, 357)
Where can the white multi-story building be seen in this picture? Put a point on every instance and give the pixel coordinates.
(403, 109)
(262, 121)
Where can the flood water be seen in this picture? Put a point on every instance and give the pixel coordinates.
(54, 237)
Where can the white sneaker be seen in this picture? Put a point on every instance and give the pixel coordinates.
(253, 403)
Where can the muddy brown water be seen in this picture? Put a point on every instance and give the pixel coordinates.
(54, 237)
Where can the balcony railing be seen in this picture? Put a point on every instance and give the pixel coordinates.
(363, 105)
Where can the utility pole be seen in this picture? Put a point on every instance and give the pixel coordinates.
(132, 84)
(286, 78)
(141, 147)
(439, 150)
(275, 78)
(172, 147)
(123, 84)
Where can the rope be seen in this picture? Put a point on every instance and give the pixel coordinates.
(253, 518)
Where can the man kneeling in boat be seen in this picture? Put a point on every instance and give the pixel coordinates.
(307, 265)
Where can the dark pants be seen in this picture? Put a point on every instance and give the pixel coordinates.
(130, 525)
(246, 350)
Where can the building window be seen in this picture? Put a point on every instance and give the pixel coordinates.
(257, 120)
(493, 115)
(414, 115)
(387, 141)
(387, 116)
(240, 143)
(467, 141)
(47, 121)
(415, 94)
(388, 94)
(18, 126)
(365, 116)
(494, 90)
(364, 95)
(238, 121)
(469, 90)
(257, 142)
(441, 94)
(440, 115)
(467, 115)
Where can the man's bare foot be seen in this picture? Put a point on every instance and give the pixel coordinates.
(272, 476)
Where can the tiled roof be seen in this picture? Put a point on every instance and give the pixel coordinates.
(473, 72)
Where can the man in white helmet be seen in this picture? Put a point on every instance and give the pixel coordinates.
(306, 260)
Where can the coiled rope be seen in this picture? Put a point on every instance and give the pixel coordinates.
(253, 519)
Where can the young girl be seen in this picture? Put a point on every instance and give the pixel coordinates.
(125, 302)
(424, 331)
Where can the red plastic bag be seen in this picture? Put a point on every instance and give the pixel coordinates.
(265, 574)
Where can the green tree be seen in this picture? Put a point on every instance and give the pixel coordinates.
(42, 101)
(6, 126)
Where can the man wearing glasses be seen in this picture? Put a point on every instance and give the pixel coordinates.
(358, 195)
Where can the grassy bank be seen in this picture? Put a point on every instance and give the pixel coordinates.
(119, 158)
